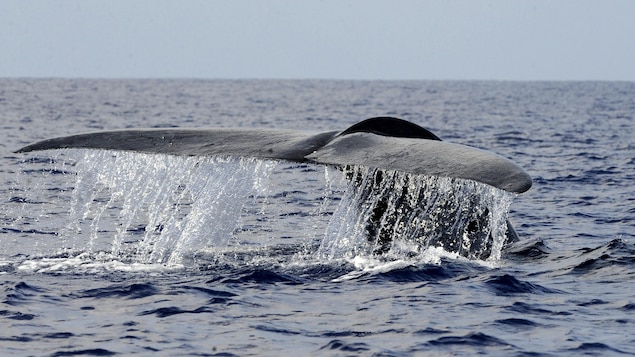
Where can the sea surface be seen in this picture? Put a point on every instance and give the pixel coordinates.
(115, 253)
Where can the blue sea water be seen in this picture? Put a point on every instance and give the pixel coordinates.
(111, 253)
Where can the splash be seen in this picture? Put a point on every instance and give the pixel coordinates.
(132, 210)
(391, 212)
(162, 208)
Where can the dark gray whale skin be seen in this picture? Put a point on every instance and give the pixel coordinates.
(384, 142)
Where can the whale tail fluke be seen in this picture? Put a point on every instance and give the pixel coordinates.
(384, 142)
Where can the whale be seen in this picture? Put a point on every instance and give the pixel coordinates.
(386, 143)
(383, 143)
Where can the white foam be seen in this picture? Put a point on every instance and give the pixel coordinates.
(90, 264)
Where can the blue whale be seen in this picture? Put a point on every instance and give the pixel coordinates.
(383, 143)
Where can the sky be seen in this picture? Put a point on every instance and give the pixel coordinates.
(319, 39)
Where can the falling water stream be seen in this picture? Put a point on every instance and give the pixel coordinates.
(171, 211)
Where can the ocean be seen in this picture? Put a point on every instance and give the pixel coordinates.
(117, 253)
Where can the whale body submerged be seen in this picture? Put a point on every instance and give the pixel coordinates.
(383, 143)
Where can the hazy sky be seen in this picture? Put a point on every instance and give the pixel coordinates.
(333, 39)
